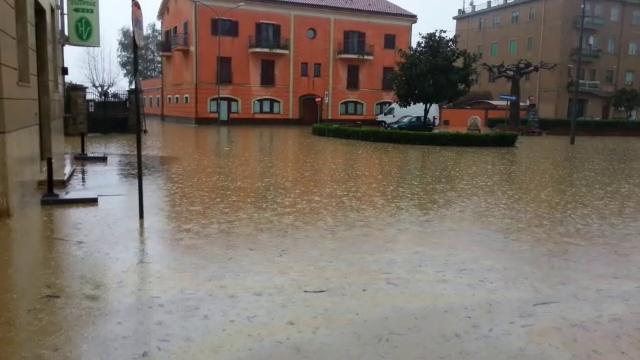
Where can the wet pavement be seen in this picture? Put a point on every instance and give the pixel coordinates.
(269, 243)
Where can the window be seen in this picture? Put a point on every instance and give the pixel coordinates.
(387, 78)
(22, 41)
(224, 27)
(597, 9)
(529, 43)
(629, 78)
(351, 108)
(231, 104)
(513, 47)
(268, 35)
(353, 77)
(266, 106)
(311, 33)
(157, 101)
(169, 99)
(354, 42)
(224, 70)
(480, 23)
(382, 106)
(611, 45)
(635, 19)
(609, 76)
(176, 99)
(496, 21)
(532, 14)
(304, 69)
(390, 41)
(515, 17)
(593, 75)
(186, 99)
(615, 13)
(317, 70)
(495, 49)
(144, 101)
(633, 49)
(267, 75)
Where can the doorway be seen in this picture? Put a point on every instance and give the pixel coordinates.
(308, 109)
(223, 112)
(606, 111)
(44, 92)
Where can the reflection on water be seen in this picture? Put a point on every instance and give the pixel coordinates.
(240, 219)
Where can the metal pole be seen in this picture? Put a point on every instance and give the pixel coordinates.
(138, 129)
(82, 148)
(576, 90)
(196, 39)
(218, 72)
(50, 193)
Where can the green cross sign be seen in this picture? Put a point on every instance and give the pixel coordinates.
(84, 23)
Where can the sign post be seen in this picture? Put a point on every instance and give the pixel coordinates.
(84, 23)
(319, 105)
(138, 38)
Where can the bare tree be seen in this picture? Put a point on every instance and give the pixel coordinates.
(514, 74)
(100, 71)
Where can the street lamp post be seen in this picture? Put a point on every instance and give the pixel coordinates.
(576, 90)
(218, 16)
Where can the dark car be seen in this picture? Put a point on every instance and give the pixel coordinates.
(411, 123)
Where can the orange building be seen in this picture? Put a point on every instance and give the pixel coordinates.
(274, 60)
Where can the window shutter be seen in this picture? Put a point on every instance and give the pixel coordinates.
(361, 41)
(235, 27)
(276, 33)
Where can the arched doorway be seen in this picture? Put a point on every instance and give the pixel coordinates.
(309, 109)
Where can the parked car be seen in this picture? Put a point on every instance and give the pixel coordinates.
(411, 123)
(395, 112)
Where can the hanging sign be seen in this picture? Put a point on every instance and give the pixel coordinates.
(83, 21)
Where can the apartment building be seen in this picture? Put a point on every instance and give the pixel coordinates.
(31, 122)
(548, 30)
(274, 60)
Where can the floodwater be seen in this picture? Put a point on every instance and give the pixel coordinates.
(269, 243)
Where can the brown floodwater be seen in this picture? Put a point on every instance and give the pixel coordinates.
(269, 243)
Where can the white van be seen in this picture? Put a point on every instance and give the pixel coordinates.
(394, 112)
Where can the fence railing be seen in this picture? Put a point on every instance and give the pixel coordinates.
(113, 95)
(355, 49)
(260, 42)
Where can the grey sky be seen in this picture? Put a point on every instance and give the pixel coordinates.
(114, 14)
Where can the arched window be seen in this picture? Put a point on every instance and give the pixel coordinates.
(186, 99)
(351, 107)
(169, 99)
(266, 106)
(382, 106)
(231, 104)
(176, 99)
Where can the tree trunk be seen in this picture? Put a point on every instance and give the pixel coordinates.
(427, 109)
(514, 111)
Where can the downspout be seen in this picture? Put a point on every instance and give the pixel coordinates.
(162, 59)
(331, 74)
(196, 60)
(291, 66)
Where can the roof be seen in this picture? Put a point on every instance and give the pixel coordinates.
(379, 7)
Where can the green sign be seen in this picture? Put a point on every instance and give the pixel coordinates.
(84, 22)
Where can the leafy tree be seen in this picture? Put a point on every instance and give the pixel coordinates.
(514, 73)
(627, 99)
(434, 71)
(149, 58)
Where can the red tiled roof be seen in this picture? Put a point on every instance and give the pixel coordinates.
(382, 7)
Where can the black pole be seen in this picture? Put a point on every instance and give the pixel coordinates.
(138, 130)
(82, 148)
(50, 193)
(576, 90)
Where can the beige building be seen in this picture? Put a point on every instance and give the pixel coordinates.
(31, 122)
(548, 30)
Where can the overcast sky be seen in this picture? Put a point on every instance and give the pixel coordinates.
(114, 14)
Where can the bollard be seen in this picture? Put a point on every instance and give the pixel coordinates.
(50, 193)
(82, 152)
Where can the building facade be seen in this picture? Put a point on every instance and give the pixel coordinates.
(273, 60)
(548, 30)
(31, 122)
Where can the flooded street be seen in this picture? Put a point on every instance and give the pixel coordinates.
(269, 243)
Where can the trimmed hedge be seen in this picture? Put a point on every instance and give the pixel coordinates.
(416, 138)
(557, 124)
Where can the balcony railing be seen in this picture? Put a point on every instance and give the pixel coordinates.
(164, 47)
(180, 42)
(355, 51)
(264, 44)
(586, 85)
(590, 22)
(588, 54)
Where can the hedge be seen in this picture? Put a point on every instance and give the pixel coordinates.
(551, 124)
(416, 138)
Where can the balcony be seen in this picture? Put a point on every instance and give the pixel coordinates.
(593, 88)
(164, 48)
(355, 51)
(588, 54)
(180, 42)
(590, 22)
(268, 45)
